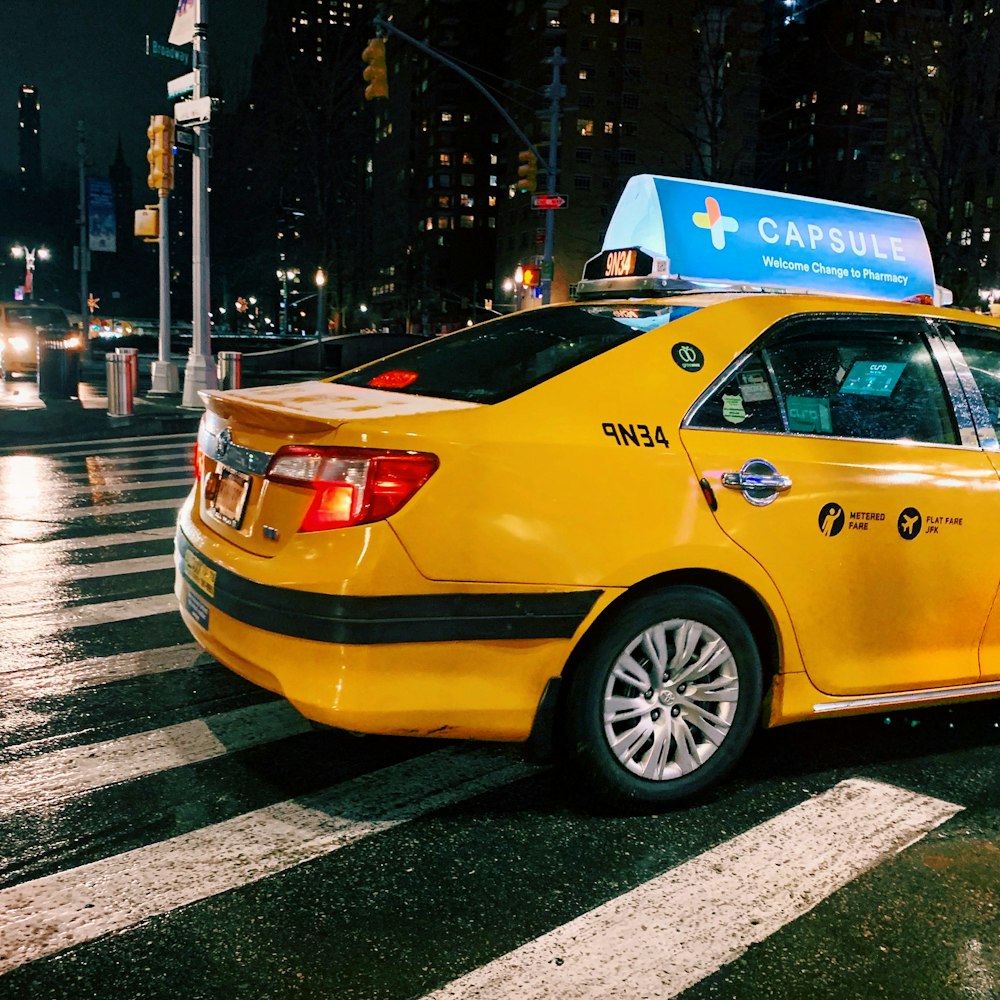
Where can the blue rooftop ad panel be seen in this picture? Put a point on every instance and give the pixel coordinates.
(720, 233)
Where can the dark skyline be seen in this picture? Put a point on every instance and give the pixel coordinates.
(89, 64)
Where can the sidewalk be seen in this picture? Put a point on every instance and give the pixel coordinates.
(27, 422)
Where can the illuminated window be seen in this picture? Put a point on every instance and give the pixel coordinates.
(609, 128)
(585, 126)
(444, 159)
(615, 16)
(444, 222)
(468, 159)
(466, 221)
(446, 116)
(492, 201)
(466, 200)
(444, 201)
(932, 71)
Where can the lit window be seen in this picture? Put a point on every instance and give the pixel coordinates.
(986, 235)
(493, 180)
(609, 128)
(444, 201)
(467, 221)
(863, 109)
(492, 201)
(446, 116)
(585, 126)
(468, 159)
(444, 159)
(615, 16)
(444, 222)
(932, 71)
(467, 200)
(966, 237)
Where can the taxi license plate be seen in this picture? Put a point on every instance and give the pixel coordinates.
(230, 499)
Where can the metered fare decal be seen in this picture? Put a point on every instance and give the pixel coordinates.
(909, 522)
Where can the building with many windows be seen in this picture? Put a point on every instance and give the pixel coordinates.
(29, 136)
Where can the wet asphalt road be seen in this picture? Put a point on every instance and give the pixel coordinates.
(167, 830)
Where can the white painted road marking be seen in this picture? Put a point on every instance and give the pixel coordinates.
(24, 682)
(670, 933)
(61, 774)
(50, 914)
(81, 571)
(49, 622)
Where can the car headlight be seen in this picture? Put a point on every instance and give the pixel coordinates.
(20, 344)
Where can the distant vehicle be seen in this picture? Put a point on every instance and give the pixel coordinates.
(749, 478)
(20, 325)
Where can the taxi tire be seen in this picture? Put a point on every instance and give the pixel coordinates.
(598, 773)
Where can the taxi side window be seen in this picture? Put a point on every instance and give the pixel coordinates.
(861, 376)
(981, 350)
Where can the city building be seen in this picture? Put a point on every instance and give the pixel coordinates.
(29, 121)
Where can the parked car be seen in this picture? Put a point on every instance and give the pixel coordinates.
(708, 496)
(21, 324)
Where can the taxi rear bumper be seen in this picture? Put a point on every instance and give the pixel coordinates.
(457, 661)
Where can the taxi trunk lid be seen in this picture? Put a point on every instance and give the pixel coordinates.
(260, 504)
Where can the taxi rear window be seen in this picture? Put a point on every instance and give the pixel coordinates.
(496, 360)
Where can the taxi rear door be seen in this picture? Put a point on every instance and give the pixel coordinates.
(840, 465)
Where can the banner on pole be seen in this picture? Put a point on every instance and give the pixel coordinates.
(182, 32)
(101, 215)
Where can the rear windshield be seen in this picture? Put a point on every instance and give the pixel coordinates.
(29, 317)
(496, 360)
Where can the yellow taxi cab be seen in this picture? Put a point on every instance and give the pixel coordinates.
(739, 482)
(20, 326)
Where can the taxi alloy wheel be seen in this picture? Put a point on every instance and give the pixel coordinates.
(666, 700)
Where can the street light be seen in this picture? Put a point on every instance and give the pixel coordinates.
(18, 250)
(320, 280)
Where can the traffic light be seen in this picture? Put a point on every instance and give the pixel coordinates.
(531, 274)
(161, 153)
(527, 172)
(376, 75)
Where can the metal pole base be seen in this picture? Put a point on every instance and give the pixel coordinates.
(200, 373)
(166, 380)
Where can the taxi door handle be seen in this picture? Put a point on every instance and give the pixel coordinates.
(758, 481)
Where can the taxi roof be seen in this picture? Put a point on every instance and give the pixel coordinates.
(670, 234)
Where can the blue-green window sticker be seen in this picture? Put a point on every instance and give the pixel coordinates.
(872, 378)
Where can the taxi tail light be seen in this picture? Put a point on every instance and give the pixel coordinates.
(351, 485)
(196, 454)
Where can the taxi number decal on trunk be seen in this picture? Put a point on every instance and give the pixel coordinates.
(639, 435)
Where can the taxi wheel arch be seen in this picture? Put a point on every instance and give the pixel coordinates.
(607, 757)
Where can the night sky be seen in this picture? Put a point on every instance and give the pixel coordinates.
(89, 63)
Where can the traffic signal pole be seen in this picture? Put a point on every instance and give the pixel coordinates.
(558, 60)
(555, 94)
(200, 372)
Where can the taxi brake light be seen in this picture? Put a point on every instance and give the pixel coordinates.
(395, 379)
(196, 454)
(351, 485)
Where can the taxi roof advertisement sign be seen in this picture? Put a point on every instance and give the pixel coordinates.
(718, 232)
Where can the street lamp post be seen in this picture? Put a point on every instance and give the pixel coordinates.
(320, 315)
(20, 251)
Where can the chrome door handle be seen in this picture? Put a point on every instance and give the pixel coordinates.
(758, 481)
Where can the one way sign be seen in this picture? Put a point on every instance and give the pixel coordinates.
(545, 201)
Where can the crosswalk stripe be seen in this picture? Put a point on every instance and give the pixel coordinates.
(62, 774)
(29, 682)
(673, 931)
(84, 571)
(68, 491)
(103, 477)
(103, 613)
(53, 913)
(30, 554)
(107, 510)
(110, 446)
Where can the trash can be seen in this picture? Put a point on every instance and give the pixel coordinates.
(229, 369)
(120, 398)
(58, 369)
(132, 353)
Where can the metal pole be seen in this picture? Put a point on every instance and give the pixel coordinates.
(81, 154)
(555, 93)
(320, 316)
(165, 377)
(200, 372)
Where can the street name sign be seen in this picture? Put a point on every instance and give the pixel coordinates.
(180, 85)
(154, 47)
